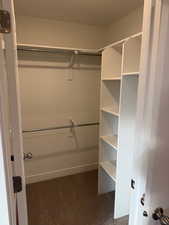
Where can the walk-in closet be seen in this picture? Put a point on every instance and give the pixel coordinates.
(78, 66)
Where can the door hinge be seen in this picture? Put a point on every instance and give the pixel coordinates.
(142, 200)
(5, 21)
(12, 158)
(17, 184)
(133, 184)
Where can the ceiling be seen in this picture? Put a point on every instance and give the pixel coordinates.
(94, 12)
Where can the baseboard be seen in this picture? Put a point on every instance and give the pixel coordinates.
(60, 173)
(122, 221)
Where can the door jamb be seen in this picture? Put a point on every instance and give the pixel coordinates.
(7, 203)
(14, 111)
(151, 21)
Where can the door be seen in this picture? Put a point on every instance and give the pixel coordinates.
(12, 113)
(151, 160)
(7, 202)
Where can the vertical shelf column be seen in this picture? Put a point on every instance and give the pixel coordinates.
(119, 82)
(126, 132)
(127, 119)
(109, 116)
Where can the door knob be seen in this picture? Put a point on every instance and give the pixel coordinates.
(159, 215)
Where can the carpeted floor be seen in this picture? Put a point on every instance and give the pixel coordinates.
(70, 200)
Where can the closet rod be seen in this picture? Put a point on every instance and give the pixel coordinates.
(61, 127)
(76, 52)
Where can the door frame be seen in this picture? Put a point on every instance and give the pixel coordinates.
(7, 203)
(12, 84)
(150, 84)
(12, 127)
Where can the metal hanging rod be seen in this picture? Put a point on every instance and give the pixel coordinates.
(57, 67)
(70, 66)
(61, 127)
(57, 50)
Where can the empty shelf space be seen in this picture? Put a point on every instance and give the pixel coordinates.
(111, 78)
(112, 61)
(110, 95)
(111, 140)
(110, 168)
(110, 110)
(131, 57)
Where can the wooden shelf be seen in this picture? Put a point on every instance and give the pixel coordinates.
(33, 47)
(121, 41)
(131, 74)
(111, 78)
(110, 168)
(110, 110)
(111, 140)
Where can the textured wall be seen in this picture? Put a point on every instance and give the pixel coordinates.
(51, 97)
(125, 27)
(50, 32)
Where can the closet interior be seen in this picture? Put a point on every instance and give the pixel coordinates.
(78, 84)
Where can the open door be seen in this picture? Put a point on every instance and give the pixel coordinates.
(7, 202)
(151, 161)
(11, 110)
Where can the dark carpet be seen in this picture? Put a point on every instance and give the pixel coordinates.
(71, 200)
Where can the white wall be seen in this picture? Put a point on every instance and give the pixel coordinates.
(75, 35)
(50, 32)
(51, 97)
(125, 27)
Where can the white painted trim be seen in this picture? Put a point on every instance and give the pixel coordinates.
(7, 204)
(47, 47)
(121, 41)
(7, 198)
(14, 109)
(131, 74)
(60, 173)
(144, 110)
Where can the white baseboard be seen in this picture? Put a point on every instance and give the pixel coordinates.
(60, 173)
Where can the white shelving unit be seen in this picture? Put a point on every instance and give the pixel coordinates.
(109, 78)
(110, 169)
(119, 82)
(110, 140)
(110, 109)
